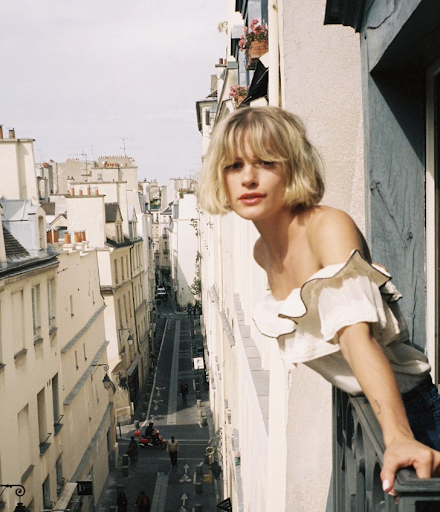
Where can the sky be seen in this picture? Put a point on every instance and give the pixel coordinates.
(88, 76)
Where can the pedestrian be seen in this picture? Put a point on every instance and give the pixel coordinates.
(173, 449)
(184, 391)
(132, 451)
(327, 304)
(122, 502)
(142, 502)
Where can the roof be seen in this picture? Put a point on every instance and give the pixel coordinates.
(49, 208)
(17, 209)
(111, 212)
(13, 246)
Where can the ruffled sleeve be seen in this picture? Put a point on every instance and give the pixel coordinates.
(308, 321)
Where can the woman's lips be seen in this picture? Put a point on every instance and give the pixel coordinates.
(251, 199)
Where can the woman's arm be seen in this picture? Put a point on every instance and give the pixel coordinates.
(376, 378)
(333, 237)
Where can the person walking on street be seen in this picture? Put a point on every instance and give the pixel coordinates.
(142, 502)
(184, 391)
(122, 502)
(173, 449)
(132, 451)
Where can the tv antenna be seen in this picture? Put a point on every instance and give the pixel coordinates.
(123, 144)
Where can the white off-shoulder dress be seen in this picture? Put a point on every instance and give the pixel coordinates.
(307, 322)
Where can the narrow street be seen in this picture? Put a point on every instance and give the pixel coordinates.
(169, 489)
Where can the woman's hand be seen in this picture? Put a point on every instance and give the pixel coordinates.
(406, 452)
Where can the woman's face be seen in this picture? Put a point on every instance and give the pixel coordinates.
(255, 189)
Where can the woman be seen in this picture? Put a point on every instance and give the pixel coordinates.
(325, 304)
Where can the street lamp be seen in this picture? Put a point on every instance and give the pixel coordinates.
(130, 338)
(19, 492)
(106, 380)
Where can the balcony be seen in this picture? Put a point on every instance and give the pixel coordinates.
(357, 460)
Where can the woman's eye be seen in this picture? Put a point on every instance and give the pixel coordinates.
(266, 164)
(234, 166)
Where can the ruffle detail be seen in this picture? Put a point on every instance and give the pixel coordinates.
(336, 296)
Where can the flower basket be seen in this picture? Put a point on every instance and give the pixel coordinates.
(254, 42)
(238, 93)
(256, 50)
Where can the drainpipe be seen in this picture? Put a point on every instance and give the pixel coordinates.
(274, 55)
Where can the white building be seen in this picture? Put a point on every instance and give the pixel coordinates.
(51, 338)
(276, 432)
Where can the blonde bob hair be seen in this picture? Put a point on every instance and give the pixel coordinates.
(273, 135)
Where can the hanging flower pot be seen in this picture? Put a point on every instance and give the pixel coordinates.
(238, 93)
(256, 50)
(255, 42)
(240, 100)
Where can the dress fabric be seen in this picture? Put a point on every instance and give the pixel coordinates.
(307, 322)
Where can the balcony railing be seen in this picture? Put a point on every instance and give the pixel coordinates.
(357, 459)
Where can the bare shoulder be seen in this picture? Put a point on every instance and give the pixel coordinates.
(260, 253)
(332, 235)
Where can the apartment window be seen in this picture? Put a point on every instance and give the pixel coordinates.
(51, 304)
(129, 305)
(76, 360)
(93, 297)
(41, 233)
(56, 401)
(59, 471)
(36, 311)
(123, 268)
(42, 421)
(127, 266)
(115, 264)
(433, 218)
(24, 435)
(84, 351)
(46, 494)
(17, 321)
(71, 306)
(120, 314)
(125, 309)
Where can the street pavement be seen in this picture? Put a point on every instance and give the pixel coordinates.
(169, 489)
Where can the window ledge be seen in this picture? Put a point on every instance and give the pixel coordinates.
(27, 473)
(20, 354)
(44, 447)
(2, 366)
(53, 330)
(58, 427)
(38, 341)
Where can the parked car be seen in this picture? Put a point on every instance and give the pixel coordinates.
(161, 293)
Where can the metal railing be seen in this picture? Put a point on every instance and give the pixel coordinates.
(357, 460)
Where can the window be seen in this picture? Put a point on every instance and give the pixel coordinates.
(24, 435)
(51, 304)
(41, 233)
(120, 314)
(433, 217)
(59, 470)
(42, 419)
(125, 309)
(17, 321)
(115, 264)
(55, 400)
(76, 360)
(129, 304)
(36, 308)
(84, 350)
(46, 494)
(127, 266)
(1, 337)
(71, 306)
(123, 269)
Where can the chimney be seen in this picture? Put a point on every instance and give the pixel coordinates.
(96, 191)
(67, 238)
(88, 190)
(1, 131)
(72, 193)
(55, 236)
(12, 133)
(76, 237)
(80, 191)
(49, 236)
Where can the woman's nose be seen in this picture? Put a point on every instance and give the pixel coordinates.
(249, 175)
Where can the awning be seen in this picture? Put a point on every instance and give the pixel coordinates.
(258, 87)
(133, 365)
(64, 498)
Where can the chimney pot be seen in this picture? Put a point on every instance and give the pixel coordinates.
(1, 131)
(80, 191)
(96, 191)
(12, 133)
(56, 236)
(76, 237)
(49, 236)
(88, 190)
(72, 191)
(67, 238)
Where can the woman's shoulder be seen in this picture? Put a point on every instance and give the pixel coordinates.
(332, 234)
